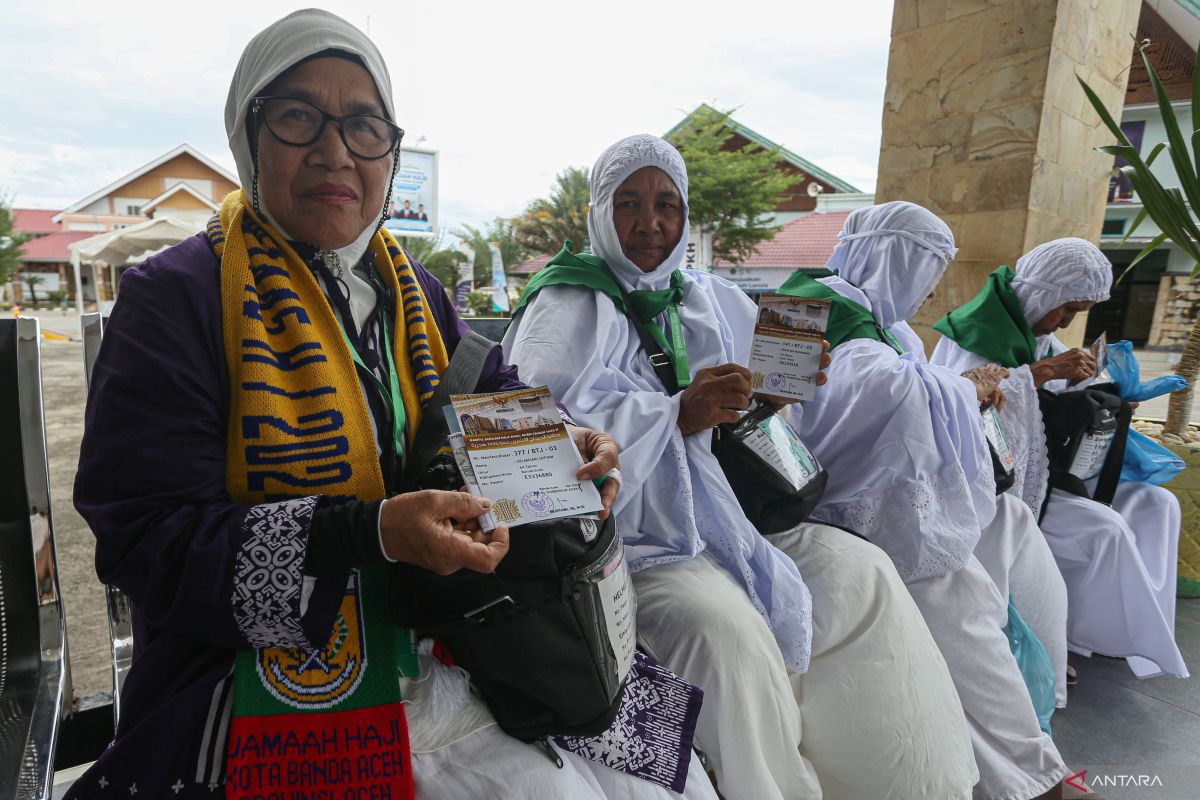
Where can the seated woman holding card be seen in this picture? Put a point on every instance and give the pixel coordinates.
(819, 677)
(251, 408)
(1119, 562)
(909, 468)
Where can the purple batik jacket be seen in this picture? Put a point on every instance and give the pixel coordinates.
(151, 485)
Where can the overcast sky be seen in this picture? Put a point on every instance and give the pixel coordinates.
(509, 93)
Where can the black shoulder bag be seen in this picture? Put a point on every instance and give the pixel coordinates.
(540, 636)
(775, 477)
(1086, 431)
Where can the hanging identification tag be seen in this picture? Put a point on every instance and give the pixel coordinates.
(776, 442)
(994, 431)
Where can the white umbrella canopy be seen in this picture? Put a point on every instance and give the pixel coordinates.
(126, 244)
(117, 247)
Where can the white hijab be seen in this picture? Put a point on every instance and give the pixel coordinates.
(895, 253)
(676, 502)
(276, 49)
(612, 168)
(902, 440)
(1062, 271)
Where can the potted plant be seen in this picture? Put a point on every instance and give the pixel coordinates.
(1171, 209)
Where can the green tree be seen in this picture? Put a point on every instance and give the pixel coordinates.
(32, 279)
(10, 242)
(434, 256)
(730, 192)
(1172, 208)
(480, 303)
(500, 231)
(549, 221)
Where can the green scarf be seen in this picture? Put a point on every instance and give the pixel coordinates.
(992, 324)
(569, 268)
(847, 319)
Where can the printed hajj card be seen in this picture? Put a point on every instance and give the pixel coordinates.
(786, 354)
(520, 456)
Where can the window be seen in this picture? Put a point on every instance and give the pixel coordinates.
(133, 211)
(1113, 227)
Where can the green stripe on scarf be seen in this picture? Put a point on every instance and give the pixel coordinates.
(992, 324)
(847, 319)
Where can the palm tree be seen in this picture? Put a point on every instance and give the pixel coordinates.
(1169, 207)
(32, 279)
(502, 232)
(433, 254)
(549, 221)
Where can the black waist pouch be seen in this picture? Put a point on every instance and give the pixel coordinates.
(1086, 431)
(777, 480)
(547, 638)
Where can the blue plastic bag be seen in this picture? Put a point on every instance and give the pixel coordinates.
(1147, 460)
(1034, 663)
(1125, 372)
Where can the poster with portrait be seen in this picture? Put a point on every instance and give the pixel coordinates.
(414, 194)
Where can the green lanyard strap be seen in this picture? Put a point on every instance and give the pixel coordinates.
(645, 305)
(391, 392)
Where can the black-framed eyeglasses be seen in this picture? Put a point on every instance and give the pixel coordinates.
(300, 123)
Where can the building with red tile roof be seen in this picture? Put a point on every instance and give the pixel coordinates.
(803, 243)
(182, 183)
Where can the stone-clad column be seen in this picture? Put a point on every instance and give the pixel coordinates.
(985, 125)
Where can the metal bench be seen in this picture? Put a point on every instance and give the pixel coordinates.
(34, 674)
(491, 327)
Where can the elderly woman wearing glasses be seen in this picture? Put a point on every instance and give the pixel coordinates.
(241, 469)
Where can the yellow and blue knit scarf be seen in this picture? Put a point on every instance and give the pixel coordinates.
(299, 426)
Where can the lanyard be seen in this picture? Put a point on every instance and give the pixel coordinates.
(676, 348)
(390, 393)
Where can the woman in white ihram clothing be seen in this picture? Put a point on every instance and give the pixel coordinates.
(909, 468)
(842, 696)
(1120, 562)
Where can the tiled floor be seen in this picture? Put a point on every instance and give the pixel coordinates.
(1112, 718)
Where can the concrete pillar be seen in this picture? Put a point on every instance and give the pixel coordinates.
(985, 125)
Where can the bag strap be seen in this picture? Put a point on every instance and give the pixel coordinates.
(1110, 473)
(461, 377)
(658, 357)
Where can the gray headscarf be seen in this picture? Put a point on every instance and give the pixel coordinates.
(1062, 271)
(279, 47)
(612, 168)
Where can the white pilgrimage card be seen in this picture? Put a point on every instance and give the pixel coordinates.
(785, 356)
(522, 457)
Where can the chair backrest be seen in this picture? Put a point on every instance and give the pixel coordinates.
(120, 623)
(34, 675)
(491, 327)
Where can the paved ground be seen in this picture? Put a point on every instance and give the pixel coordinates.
(1137, 727)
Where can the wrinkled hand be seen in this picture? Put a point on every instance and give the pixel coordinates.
(987, 383)
(781, 402)
(715, 395)
(601, 452)
(437, 530)
(1074, 365)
